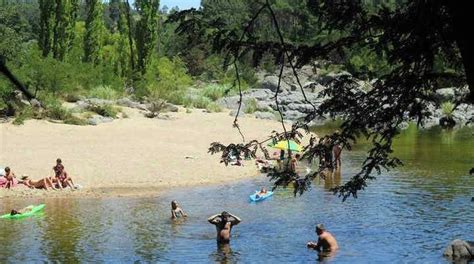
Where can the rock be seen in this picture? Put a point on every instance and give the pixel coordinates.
(264, 115)
(234, 112)
(98, 119)
(314, 87)
(326, 79)
(460, 249)
(445, 94)
(171, 107)
(127, 102)
(271, 83)
(229, 102)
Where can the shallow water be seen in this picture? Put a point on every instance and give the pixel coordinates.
(406, 216)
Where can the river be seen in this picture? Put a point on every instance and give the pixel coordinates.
(407, 215)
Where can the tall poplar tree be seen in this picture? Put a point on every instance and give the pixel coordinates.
(46, 25)
(94, 25)
(146, 30)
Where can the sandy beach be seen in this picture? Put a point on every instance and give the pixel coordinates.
(131, 156)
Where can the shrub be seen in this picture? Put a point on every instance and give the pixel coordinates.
(164, 79)
(104, 92)
(250, 106)
(104, 110)
(25, 114)
(214, 108)
(215, 91)
(200, 102)
(447, 108)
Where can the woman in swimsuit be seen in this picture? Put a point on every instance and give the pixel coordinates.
(62, 177)
(45, 183)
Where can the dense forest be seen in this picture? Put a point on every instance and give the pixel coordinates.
(62, 50)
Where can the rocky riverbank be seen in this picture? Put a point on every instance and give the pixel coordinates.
(261, 103)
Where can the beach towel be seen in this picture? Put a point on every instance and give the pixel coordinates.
(2, 171)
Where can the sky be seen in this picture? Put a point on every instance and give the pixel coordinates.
(182, 4)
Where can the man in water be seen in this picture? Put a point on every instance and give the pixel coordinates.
(176, 210)
(224, 223)
(326, 241)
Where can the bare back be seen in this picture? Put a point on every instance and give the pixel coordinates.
(327, 242)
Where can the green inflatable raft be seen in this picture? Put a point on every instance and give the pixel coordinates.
(35, 209)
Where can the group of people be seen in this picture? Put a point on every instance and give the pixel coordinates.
(224, 222)
(60, 180)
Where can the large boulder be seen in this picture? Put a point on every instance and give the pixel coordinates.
(333, 76)
(460, 249)
(98, 119)
(445, 94)
(271, 82)
(127, 102)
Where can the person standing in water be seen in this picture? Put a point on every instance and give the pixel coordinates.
(176, 211)
(326, 242)
(224, 223)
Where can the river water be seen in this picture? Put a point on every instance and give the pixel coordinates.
(408, 215)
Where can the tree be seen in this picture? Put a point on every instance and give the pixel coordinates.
(94, 27)
(146, 30)
(46, 25)
(411, 34)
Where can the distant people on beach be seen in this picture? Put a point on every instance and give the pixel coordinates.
(176, 211)
(326, 242)
(224, 223)
(61, 176)
(294, 163)
(9, 178)
(45, 183)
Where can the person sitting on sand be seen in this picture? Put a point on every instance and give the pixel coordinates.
(62, 178)
(326, 241)
(45, 183)
(262, 192)
(176, 211)
(9, 176)
(21, 211)
(224, 223)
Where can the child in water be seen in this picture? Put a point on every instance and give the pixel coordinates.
(176, 211)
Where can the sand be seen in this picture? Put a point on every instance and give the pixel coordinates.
(130, 156)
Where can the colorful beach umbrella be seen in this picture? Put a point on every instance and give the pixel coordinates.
(293, 146)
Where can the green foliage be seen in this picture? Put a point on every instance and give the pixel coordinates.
(25, 114)
(165, 79)
(366, 64)
(103, 92)
(447, 108)
(146, 30)
(93, 35)
(250, 106)
(215, 91)
(105, 110)
(213, 107)
(199, 102)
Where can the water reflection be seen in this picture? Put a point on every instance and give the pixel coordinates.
(224, 254)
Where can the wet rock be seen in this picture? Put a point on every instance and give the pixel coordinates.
(460, 249)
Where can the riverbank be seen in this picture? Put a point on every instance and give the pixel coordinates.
(131, 156)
